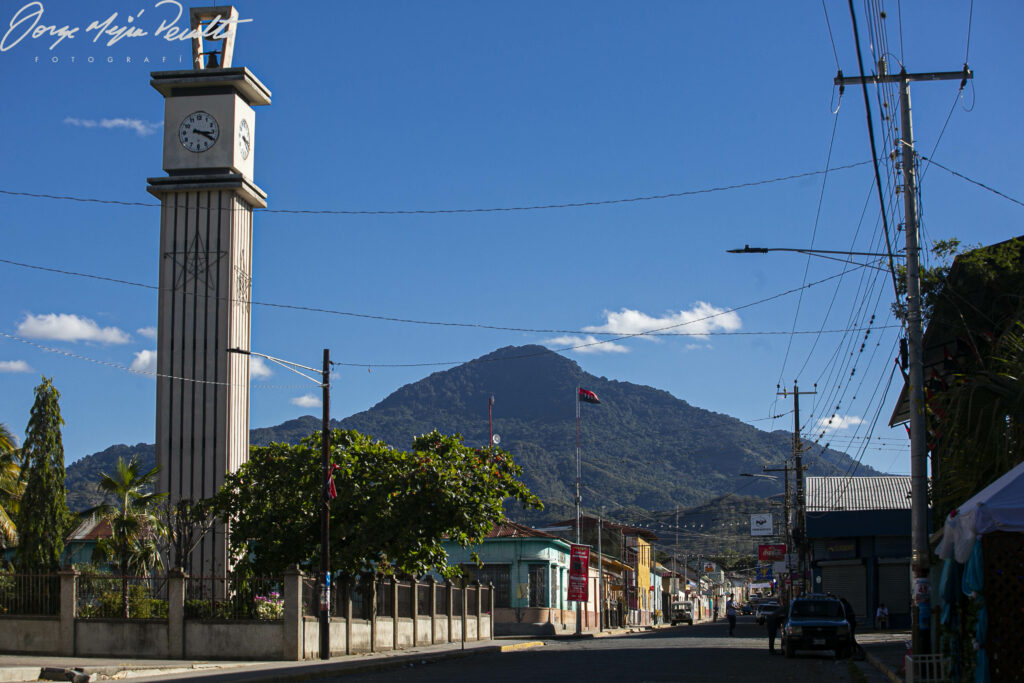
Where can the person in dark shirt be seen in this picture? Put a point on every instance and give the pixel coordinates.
(772, 621)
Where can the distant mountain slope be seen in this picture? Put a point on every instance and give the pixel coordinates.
(642, 448)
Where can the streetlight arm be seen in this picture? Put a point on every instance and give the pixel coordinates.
(811, 252)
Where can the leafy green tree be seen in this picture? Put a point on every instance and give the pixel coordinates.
(975, 415)
(43, 517)
(392, 511)
(132, 545)
(11, 487)
(185, 522)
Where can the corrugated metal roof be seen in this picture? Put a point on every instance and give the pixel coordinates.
(509, 529)
(833, 494)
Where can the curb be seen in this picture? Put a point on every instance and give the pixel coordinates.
(521, 646)
(19, 673)
(877, 663)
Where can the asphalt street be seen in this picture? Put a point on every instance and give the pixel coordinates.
(703, 652)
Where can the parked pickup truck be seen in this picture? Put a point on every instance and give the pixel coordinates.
(682, 611)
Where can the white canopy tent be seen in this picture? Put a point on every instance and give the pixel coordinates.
(997, 507)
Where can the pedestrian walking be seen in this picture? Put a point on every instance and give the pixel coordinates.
(730, 614)
(772, 621)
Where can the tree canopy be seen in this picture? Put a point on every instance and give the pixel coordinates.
(392, 511)
(974, 306)
(43, 516)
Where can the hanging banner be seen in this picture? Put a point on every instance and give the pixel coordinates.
(579, 562)
(773, 552)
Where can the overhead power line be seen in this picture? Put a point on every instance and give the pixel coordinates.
(312, 309)
(493, 209)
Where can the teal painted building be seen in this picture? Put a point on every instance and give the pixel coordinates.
(530, 573)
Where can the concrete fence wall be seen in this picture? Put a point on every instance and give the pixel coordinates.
(294, 637)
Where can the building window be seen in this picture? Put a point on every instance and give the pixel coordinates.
(538, 587)
(498, 574)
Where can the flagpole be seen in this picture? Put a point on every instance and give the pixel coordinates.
(579, 622)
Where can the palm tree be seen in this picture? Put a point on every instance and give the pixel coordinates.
(134, 526)
(11, 487)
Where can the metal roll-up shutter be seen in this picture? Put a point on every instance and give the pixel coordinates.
(894, 587)
(847, 580)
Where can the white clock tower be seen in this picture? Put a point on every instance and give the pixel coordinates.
(207, 200)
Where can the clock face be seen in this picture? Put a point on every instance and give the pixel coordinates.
(244, 139)
(198, 132)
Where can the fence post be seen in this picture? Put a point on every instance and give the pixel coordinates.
(490, 624)
(176, 613)
(68, 607)
(478, 607)
(451, 602)
(294, 622)
(394, 613)
(415, 588)
(433, 608)
(349, 585)
(376, 585)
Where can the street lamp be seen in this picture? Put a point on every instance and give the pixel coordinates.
(325, 502)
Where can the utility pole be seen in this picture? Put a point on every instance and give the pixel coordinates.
(786, 519)
(800, 527)
(920, 551)
(600, 573)
(325, 515)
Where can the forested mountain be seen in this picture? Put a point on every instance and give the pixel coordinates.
(643, 449)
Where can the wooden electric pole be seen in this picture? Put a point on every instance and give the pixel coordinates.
(920, 550)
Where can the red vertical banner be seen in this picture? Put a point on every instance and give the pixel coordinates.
(579, 563)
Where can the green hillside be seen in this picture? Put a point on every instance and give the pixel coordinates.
(643, 450)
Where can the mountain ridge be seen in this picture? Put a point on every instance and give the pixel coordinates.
(642, 449)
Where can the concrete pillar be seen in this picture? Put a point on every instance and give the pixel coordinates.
(68, 607)
(478, 609)
(432, 587)
(394, 613)
(414, 585)
(490, 626)
(176, 613)
(377, 585)
(348, 613)
(293, 619)
(451, 602)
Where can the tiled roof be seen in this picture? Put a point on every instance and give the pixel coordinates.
(832, 494)
(91, 529)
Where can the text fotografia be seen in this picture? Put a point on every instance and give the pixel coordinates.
(110, 59)
(163, 22)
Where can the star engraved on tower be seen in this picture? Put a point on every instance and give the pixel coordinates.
(243, 287)
(194, 263)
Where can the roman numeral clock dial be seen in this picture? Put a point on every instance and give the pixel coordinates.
(198, 132)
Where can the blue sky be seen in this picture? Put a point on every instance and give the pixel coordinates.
(382, 106)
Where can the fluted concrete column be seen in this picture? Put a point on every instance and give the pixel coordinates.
(293, 621)
(68, 607)
(176, 613)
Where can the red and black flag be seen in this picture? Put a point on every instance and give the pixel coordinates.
(588, 396)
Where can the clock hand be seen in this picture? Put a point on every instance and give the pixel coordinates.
(206, 133)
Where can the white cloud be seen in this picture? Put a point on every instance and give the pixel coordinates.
(259, 368)
(587, 344)
(145, 362)
(696, 322)
(836, 422)
(139, 126)
(14, 366)
(307, 401)
(148, 332)
(69, 327)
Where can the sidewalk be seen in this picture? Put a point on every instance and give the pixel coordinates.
(885, 651)
(16, 668)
